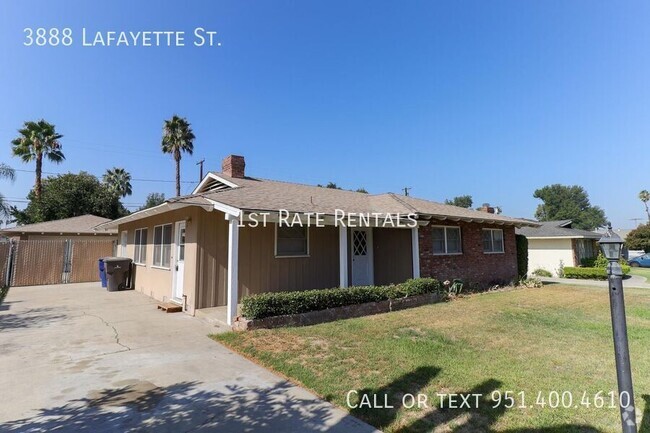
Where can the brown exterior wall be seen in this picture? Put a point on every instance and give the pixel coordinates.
(212, 259)
(393, 256)
(260, 271)
(473, 265)
(157, 282)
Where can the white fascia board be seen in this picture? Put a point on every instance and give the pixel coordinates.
(156, 210)
(230, 210)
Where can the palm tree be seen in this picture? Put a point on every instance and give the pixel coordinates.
(644, 196)
(118, 181)
(6, 172)
(38, 140)
(177, 138)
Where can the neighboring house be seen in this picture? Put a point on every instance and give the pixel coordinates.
(202, 250)
(78, 228)
(555, 242)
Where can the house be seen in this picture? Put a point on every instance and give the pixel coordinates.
(555, 242)
(231, 237)
(78, 228)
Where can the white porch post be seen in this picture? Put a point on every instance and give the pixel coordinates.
(343, 256)
(415, 248)
(233, 265)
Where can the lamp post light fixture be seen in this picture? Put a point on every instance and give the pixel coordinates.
(611, 245)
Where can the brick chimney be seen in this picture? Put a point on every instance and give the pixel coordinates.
(233, 166)
(486, 208)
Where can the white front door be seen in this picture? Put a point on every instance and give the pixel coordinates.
(362, 268)
(123, 237)
(179, 261)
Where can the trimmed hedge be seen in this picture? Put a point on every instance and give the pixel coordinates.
(590, 273)
(282, 303)
(522, 255)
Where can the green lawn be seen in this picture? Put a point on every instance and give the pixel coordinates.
(530, 341)
(644, 272)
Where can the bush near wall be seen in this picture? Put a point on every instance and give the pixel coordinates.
(282, 303)
(590, 273)
(522, 255)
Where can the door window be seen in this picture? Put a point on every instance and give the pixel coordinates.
(359, 243)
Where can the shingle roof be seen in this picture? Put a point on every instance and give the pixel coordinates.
(263, 195)
(271, 195)
(556, 229)
(83, 224)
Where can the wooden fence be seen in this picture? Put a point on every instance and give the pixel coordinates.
(38, 262)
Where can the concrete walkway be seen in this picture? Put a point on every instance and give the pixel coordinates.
(75, 358)
(633, 282)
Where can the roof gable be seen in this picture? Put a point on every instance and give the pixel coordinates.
(212, 182)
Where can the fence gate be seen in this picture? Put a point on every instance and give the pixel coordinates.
(39, 262)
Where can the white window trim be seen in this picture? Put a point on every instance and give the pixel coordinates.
(153, 259)
(460, 239)
(503, 241)
(136, 246)
(275, 251)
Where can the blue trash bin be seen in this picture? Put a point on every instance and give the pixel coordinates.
(102, 272)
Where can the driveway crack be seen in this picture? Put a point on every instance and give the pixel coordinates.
(116, 334)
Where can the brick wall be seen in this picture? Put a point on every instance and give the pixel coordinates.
(473, 265)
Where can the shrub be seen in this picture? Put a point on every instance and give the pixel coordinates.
(598, 262)
(283, 303)
(522, 255)
(530, 283)
(542, 273)
(590, 273)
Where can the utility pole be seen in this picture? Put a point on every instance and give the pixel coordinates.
(406, 190)
(200, 164)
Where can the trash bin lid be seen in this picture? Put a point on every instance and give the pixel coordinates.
(116, 259)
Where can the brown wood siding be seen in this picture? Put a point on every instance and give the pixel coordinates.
(260, 271)
(393, 256)
(212, 259)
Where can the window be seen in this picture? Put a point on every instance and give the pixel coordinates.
(492, 240)
(291, 241)
(162, 245)
(140, 250)
(446, 240)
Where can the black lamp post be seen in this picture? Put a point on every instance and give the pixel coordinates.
(611, 245)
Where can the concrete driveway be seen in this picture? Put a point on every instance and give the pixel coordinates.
(77, 358)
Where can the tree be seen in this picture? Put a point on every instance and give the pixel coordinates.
(330, 185)
(37, 140)
(644, 196)
(153, 199)
(6, 172)
(561, 202)
(177, 138)
(70, 195)
(639, 238)
(362, 190)
(118, 180)
(461, 201)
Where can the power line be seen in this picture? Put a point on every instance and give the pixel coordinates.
(133, 179)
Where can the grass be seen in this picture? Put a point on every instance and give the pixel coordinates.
(644, 272)
(530, 341)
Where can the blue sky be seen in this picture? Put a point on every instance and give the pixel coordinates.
(493, 99)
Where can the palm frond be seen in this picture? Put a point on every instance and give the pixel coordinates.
(7, 172)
